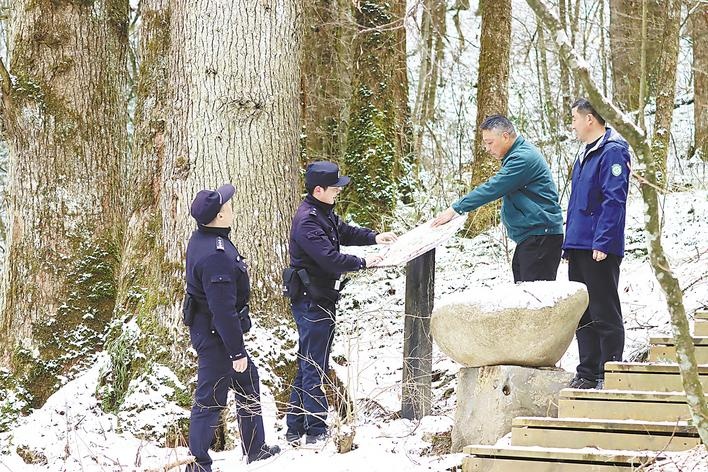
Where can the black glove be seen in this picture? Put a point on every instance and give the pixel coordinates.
(188, 309)
(245, 319)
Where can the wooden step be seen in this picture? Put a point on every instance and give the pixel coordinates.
(701, 314)
(664, 349)
(613, 434)
(535, 459)
(622, 405)
(700, 328)
(648, 377)
(669, 340)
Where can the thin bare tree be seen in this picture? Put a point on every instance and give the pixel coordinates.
(646, 169)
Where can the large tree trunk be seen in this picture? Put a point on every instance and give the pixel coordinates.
(378, 141)
(492, 98)
(699, 35)
(665, 87)
(625, 42)
(65, 117)
(685, 349)
(234, 117)
(147, 285)
(325, 79)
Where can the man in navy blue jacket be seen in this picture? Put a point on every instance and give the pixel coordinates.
(316, 265)
(217, 298)
(594, 240)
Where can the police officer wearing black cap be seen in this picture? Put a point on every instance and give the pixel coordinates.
(313, 282)
(216, 310)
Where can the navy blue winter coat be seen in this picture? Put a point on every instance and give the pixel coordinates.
(598, 199)
(315, 238)
(217, 278)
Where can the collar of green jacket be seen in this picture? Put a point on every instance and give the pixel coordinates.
(517, 142)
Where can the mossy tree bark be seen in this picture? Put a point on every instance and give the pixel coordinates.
(325, 79)
(378, 142)
(492, 98)
(234, 117)
(147, 285)
(64, 109)
(647, 167)
(699, 36)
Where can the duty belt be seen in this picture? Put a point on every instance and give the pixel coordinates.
(203, 306)
(335, 284)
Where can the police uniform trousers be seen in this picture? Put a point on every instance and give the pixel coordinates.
(537, 258)
(215, 376)
(307, 410)
(600, 332)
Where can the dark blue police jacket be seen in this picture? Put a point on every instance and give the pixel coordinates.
(598, 200)
(315, 239)
(217, 279)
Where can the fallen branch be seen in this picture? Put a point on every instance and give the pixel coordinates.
(172, 465)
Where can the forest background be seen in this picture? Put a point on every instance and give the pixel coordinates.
(115, 113)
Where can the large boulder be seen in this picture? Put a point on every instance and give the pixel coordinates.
(489, 398)
(527, 324)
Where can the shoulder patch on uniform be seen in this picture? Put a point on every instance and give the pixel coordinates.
(313, 212)
(616, 170)
(219, 244)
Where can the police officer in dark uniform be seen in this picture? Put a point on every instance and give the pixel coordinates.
(216, 310)
(313, 282)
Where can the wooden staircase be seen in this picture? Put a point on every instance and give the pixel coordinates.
(640, 414)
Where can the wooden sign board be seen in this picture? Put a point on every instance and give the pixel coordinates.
(420, 240)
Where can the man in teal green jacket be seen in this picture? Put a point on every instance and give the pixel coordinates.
(530, 210)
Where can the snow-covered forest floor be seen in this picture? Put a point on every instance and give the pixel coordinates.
(72, 433)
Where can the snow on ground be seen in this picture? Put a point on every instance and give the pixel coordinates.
(73, 434)
(694, 460)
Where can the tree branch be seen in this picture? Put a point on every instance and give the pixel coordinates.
(622, 123)
(173, 465)
(685, 350)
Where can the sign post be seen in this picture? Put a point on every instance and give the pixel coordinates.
(417, 342)
(416, 249)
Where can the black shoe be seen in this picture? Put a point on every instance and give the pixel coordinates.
(316, 438)
(266, 452)
(585, 384)
(293, 437)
